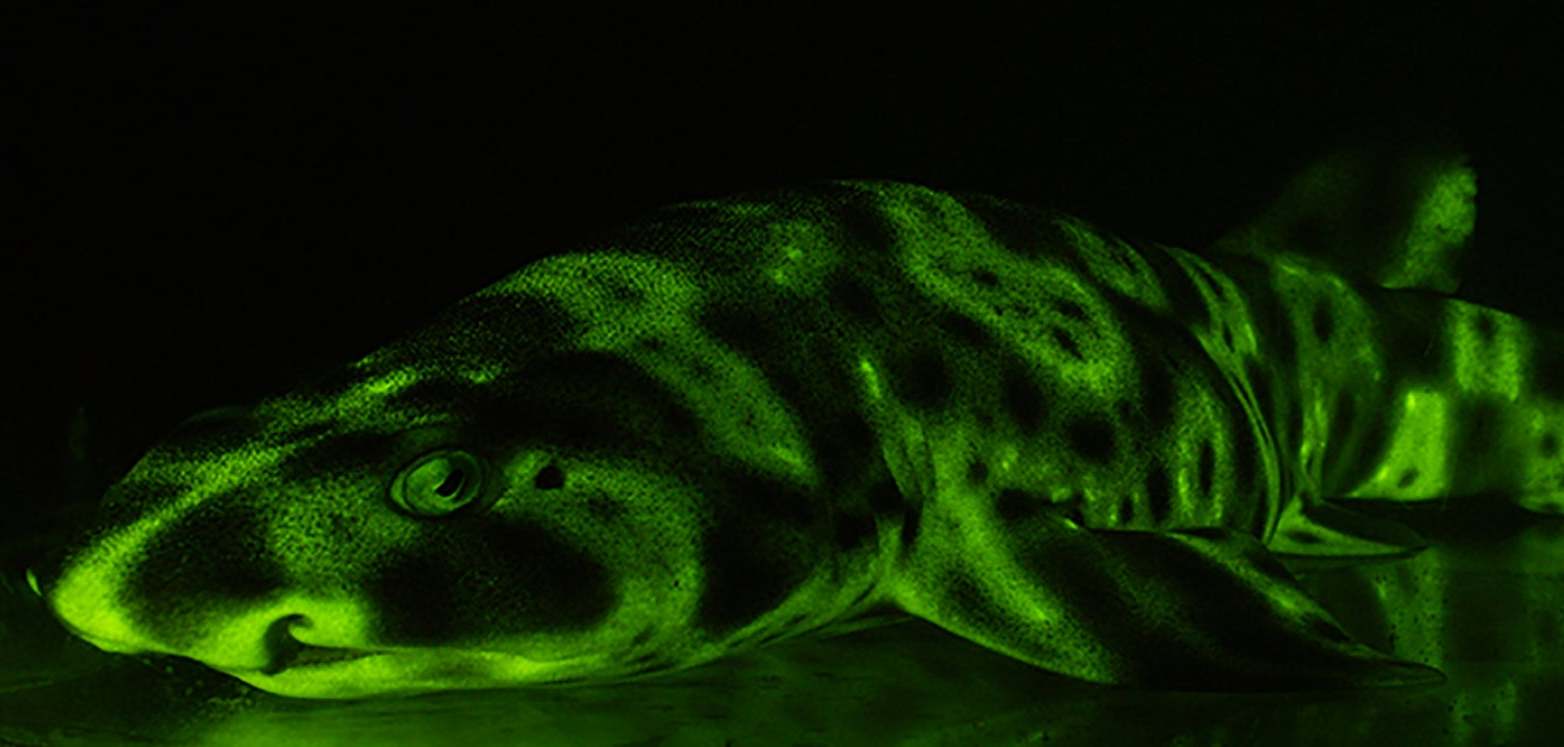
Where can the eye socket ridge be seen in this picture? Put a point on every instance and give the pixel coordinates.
(439, 482)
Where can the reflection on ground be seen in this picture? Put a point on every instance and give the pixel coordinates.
(1486, 604)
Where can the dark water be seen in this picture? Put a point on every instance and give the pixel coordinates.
(1485, 604)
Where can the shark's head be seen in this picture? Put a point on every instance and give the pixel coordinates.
(486, 502)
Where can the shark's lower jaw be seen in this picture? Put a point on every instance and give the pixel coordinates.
(314, 656)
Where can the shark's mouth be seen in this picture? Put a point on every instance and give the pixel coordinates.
(309, 656)
(288, 652)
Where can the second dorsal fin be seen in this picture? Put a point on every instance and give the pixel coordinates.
(1396, 216)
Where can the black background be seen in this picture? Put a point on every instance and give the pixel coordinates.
(207, 209)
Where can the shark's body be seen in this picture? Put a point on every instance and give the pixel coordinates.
(748, 419)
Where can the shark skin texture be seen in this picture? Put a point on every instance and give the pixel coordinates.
(808, 410)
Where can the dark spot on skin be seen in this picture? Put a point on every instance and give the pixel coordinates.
(1070, 309)
(1013, 505)
(434, 395)
(921, 378)
(703, 373)
(843, 442)
(746, 327)
(749, 572)
(1023, 230)
(1066, 343)
(1324, 323)
(1484, 327)
(605, 508)
(1014, 310)
(885, 498)
(623, 292)
(1188, 305)
(911, 520)
(1407, 478)
(867, 229)
(1369, 453)
(346, 453)
(214, 556)
(965, 601)
(1550, 445)
(550, 477)
(1302, 537)
(1092, 438)
(1023, 400)
(985, 278)
(849, 294)
(1341, 423)
(1483, 419)
(416, 601)
(1157, 400)
(1205, 471)
(964, 329)
(1159, 494)
(977, 472)
(854, 530)
(772, 499)
(1548, 365)
(811, 378)
(1411, 344)
(587, 400)
(465, 580)
(1124, 512)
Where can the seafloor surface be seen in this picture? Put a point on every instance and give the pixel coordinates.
(1486, 604)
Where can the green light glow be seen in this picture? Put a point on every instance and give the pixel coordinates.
(1488, 349)
(1418, 444)
(745, 421)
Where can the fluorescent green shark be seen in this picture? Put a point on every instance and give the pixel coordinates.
(747, 419)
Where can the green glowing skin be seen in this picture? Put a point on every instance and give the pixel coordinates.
(749, 419)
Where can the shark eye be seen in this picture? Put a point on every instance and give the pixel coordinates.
(438, 483)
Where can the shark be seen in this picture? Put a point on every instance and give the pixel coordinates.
(806, 410)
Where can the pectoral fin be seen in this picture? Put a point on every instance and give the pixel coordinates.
(1315, 535)
(1194, 610)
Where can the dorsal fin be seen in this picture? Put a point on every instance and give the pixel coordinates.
(1396, 216)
